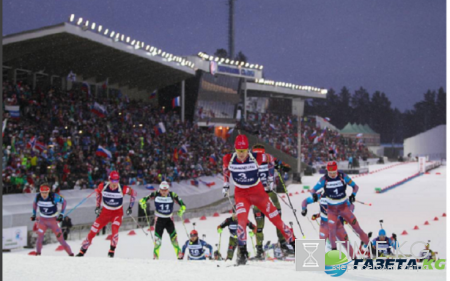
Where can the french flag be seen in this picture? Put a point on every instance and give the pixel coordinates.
(176, 102)
(99, 110)
(103, 152)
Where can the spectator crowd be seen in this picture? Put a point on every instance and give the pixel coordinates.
(281, 132)
(57, 135)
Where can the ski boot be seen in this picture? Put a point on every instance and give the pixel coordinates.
(242, 259)
(111, 252)
(288, 249)
(81, 253)
(259, 253)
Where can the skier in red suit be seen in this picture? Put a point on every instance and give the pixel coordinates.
(109, 209)
(242, 166)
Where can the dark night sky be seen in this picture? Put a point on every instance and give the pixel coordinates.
(394, 46)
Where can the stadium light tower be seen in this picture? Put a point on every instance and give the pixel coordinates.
(231, 29)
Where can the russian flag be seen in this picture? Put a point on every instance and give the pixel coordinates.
(359, 135)
(194, 183)
(86, 88)
(161, 128)
(230, 131)
(99, 110)
(213, 159)
(208, 184)
(313, 135)
(184, 148)
(14, 110)
(176, 102)
(153, 95)
(273, 126)
(328, 119)
(31, 143)
(103, 152)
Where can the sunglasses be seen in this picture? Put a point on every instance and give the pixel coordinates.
(193, 235)
(241, 150)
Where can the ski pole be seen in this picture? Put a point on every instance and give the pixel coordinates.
(187, 234)
(253, 243)
(220, 239)
(139, 226)
(292, 207)
(81, 202)
(368, 204)
(311, 223)
(149, 227)
(231, 203)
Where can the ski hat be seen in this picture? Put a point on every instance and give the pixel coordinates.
(114, 176)
(258, 148)
(44, 188)
(382, 232)
(241, 142)
(164, 185)
(193, 233)
(332, 166)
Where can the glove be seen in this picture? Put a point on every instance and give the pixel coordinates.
(181, 211)
(304, 212)
(394, 236)
(369, 234)
(143, 203)
(315, 197)
(219, 230)
(98, 210)
(314, 217)
(129, 211)
(60, 217)
(180, 256)
(352, 198)
(226, 187)
(251, 233)
(33, 218)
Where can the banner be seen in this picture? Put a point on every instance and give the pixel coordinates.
(14, 237)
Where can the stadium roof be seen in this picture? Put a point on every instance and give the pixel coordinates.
(260, 89)
(92, 54)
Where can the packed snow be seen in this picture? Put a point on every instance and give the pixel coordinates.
(402, 208)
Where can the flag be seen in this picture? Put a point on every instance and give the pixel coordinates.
(175, 155)
(184, 148)
(14, 110)
(72, 76)
(103, 152)
(194, 183)
(304, 134)
(105, 85)
(213, 159)
(161, 127)
(31, 143)
(40, 146)
(230, 131)
(359, 135)
(86, 88)
(99, 110)
(4, 126)
(273, 126)
(208, 184)
(176, 102)
(316, 140)
(328, 119)
(313, 135)
(153, 95)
